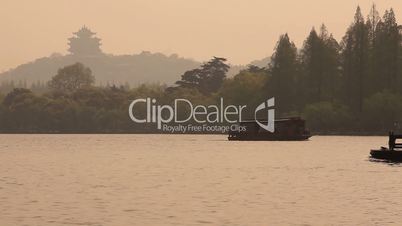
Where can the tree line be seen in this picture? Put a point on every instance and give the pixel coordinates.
(352, 85)
(349, 86)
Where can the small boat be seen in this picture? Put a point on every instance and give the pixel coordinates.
(392, 153)
(286, 129)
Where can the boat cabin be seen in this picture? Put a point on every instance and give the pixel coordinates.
(393, 153)
(285, 129)
(392, 141)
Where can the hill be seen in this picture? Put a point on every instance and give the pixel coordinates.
(135, 69)
(85, 47)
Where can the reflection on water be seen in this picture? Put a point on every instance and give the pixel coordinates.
(195, 180)
(388, 162)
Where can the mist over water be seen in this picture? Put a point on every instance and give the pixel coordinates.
(194, 180)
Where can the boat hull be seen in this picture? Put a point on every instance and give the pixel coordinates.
(386, 154)
(286, 129)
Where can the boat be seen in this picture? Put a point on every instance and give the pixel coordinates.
(392, 153)
(286, 129)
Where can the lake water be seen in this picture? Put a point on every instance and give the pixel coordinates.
(126, 180)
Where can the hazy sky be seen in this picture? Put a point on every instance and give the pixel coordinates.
(240, 30)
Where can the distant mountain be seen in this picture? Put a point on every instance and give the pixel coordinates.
(235, 69)
(84, 47)
(135, 69)
(261, 63)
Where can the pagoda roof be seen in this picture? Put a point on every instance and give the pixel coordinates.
(84, 31)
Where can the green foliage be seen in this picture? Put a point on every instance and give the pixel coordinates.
(22, 110)
(148, 90)
(60, 115)
(246, 88)
(192, 94)
(283, 69)
(382, 111)
(319, 68)
(72, 77)
(386, 58)
(355, 53)
(327, 116)
(208, 78)
(335, 87)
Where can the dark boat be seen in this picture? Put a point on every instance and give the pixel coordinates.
(392, 153)
(286, 129)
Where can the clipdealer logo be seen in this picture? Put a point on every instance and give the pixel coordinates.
(162, 115)
(269, 104)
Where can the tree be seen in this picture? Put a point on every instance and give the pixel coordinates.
(355, 48)
(246, 88)
(382, 111)
(331, 61)
(23, 111)
(374, 24)
(312, 68)
(254, 69)
(319, 67)
(71, 78)
(373, 19)
(208, 78)
(283, 68)
(61, 115)
(327, 116)
(386, 54)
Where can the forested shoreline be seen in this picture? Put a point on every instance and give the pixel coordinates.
(351, 86)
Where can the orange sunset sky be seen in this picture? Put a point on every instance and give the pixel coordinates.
(241, 31)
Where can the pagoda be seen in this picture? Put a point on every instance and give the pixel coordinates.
(84, 43)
